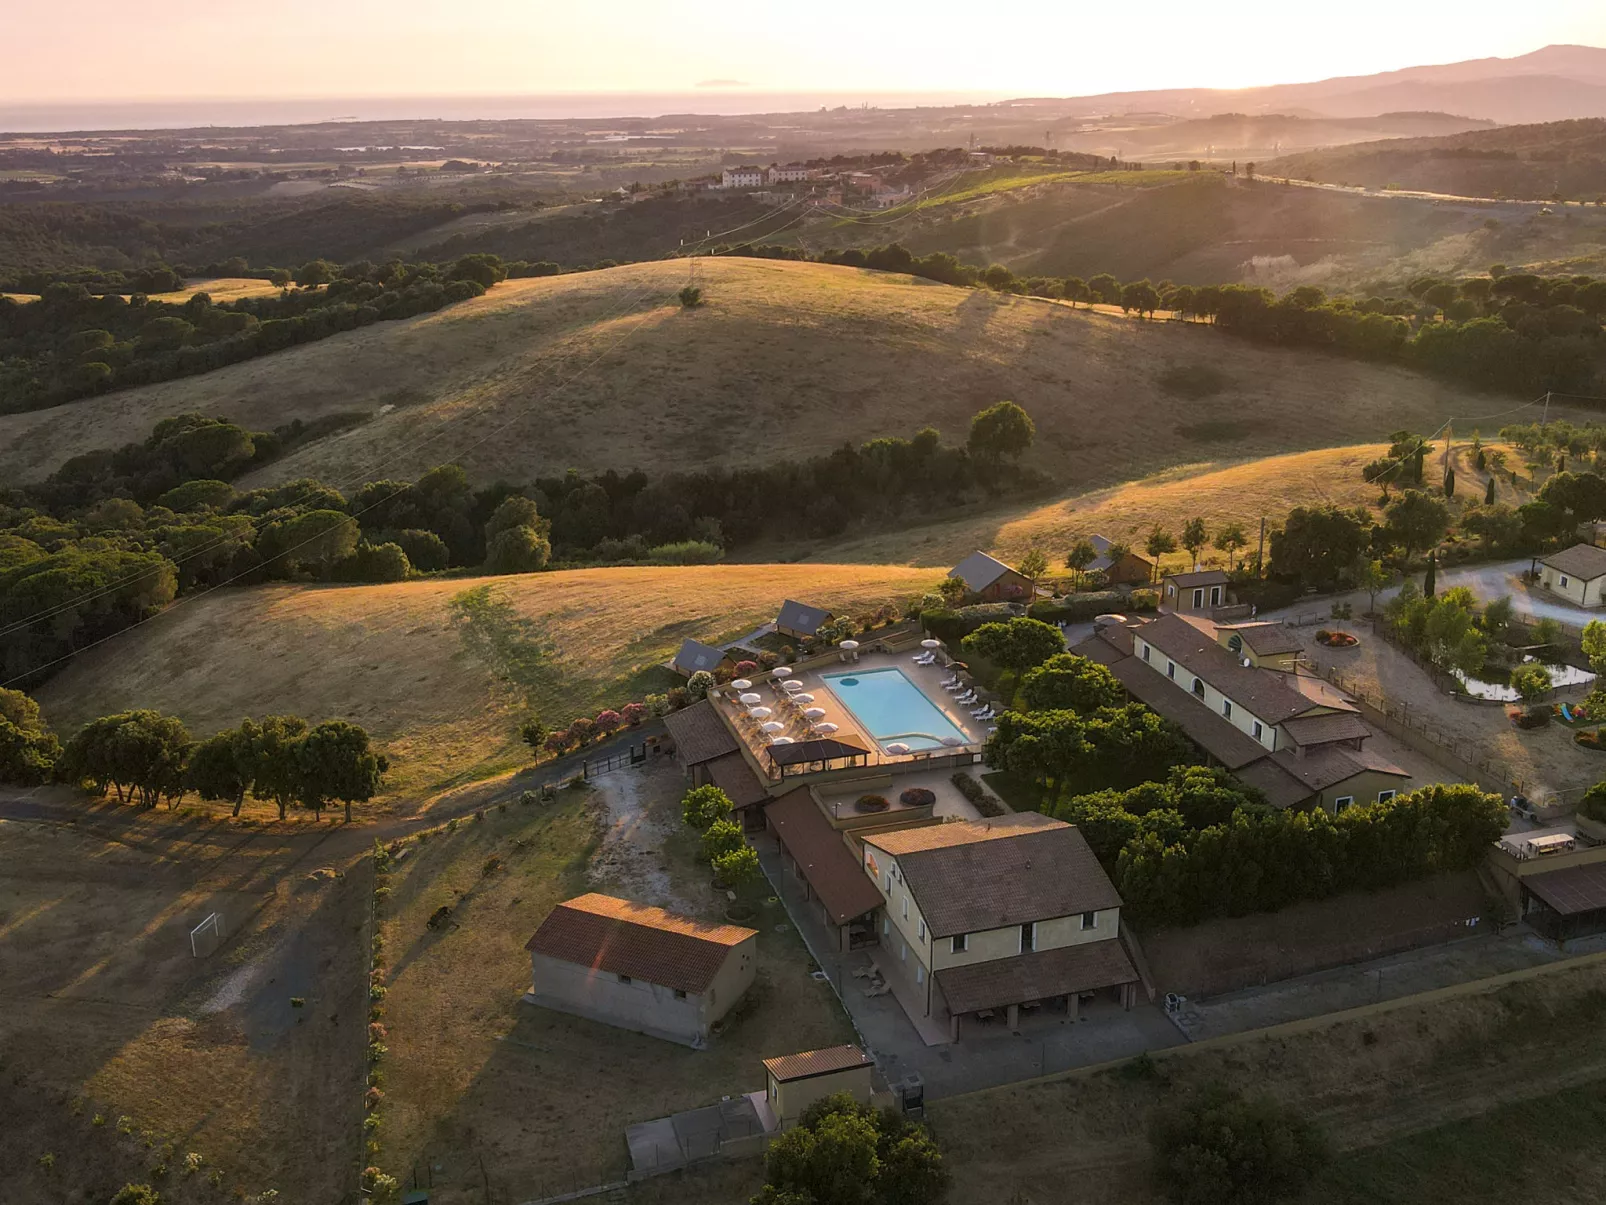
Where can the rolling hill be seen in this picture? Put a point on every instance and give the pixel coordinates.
(606, 370)
(387, 657)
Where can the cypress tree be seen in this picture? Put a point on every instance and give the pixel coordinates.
(1488, 492)
(1449, 483)
(1429, 583)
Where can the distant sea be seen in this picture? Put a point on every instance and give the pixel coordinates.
(196, 113)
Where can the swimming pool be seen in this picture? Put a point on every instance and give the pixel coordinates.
(891, 708)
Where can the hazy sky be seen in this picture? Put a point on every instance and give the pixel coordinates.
(59, 50)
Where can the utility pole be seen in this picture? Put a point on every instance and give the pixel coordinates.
(1262, 547)
(1447, 436)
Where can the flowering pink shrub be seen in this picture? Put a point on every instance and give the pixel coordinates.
(746, 669)
(582, 730)
(632, 713)
(607, 721)
(557, 742)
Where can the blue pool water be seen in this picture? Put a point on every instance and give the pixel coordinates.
(891, 708)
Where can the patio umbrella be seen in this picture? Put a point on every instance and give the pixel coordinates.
(802, 696)
(742, 684)
(773, 726)
(826, 728)
(814, 713)
(897, 747)
(751, 699)
(782, 740)
(760, 713)
(929, 643)
(850, 645)
(780, 671)
(953, 741)
(791, 684)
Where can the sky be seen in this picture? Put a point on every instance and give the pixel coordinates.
(81, 50)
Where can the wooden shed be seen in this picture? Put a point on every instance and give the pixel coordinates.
(796, 1081)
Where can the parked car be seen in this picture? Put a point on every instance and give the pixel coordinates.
(1524, 807)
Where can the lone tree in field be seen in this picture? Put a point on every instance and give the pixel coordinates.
(1159, 543)
(1081, 555)
(533, 732)
(1194, 538)
(1219, 1147)
(1231, 540)
(690, 297)
(1032, 566)
(1001, 432)
(335, 764)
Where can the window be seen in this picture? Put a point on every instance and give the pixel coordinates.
(1090, 920)
(1259, 731)
(889, 882)
(903, 951)
(886, 924)
(959, 943)
(1564, 583)
(922, 929)
(1198, 687)
(905, 905)
(1028, 937)
(1198, 597)
(1171, 670)
(920, 973)
(1215, 596)
(625, 979)
(679, 995)
(1226, 708)
(1385, 796)
(1145, 652)
(1342, 802)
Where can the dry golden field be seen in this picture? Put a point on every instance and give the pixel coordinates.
(123, 1053)
(218, 288)
(605, 369)
(386, 656)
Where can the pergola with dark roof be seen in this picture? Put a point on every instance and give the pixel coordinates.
(1570, 902)
(797, 757)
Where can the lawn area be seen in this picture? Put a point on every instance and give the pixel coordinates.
(1544, 1149)
(1021, 794)
(485, 1089)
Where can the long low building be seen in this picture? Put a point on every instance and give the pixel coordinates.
(1236, 690)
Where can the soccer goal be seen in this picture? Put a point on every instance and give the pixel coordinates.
(207, 936)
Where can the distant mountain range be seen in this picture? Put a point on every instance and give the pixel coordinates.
(1553, 84)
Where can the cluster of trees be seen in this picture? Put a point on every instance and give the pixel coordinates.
(72, 343)
(1188, 798)
(706, 810)
(1263, 861)
(845, 1153)
(1216, 1145)
(1444, 628)
(146, 757)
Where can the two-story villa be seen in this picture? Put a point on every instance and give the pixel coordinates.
(1236, 690)
(986, 918)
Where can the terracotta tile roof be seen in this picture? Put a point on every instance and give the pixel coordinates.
(1229, 745)
(1327, 765)
(817, 1062)
(831, 870)
(1201, 577)
(1107, 645)
(700, 735)
(1322, 729)
(1264, 693)
(736, 778)
(1265, 639)
(1583, 561)
(643, 942)
(1000, 982)
(981, 874)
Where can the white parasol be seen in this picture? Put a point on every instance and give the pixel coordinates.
(929, 643)
(780, 671)
(802, 696)
(741, 684)
(953, 741)
(782, 740)
(760, 713)
(850, 645)
(897, 747)
(814, 713)
(826, 727)
(773, 726)
(751, 699)
(791, 684)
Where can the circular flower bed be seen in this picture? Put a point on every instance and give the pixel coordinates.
(1590, 738)
(870, 803)
(739, 912)
(1336, 640)
(918, 797)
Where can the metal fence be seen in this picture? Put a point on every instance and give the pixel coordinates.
(634, 755)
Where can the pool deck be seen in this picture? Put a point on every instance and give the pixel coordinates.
(927, 678)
